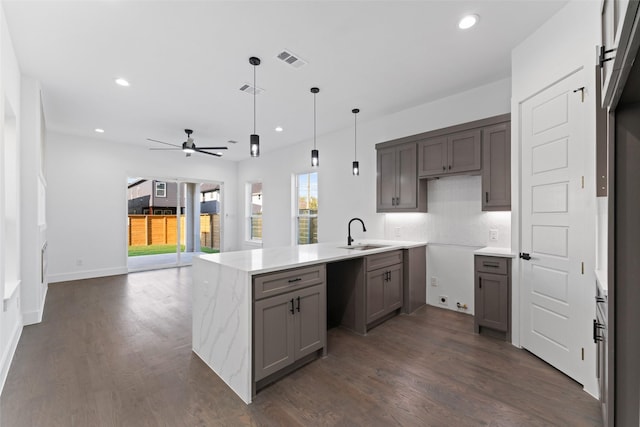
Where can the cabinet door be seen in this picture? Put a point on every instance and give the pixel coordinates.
(375, 294)
(464, 151)
(496, 168)
(386, 179)
(432, 156)
(393, 289)
(492, 301)
(311, 320)
(273, 335)
(407, 177)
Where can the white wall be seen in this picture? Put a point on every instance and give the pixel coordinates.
(454, 218)
(10, 316)
(565, 43)
(87, 199)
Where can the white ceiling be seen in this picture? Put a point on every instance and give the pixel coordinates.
(186, 61)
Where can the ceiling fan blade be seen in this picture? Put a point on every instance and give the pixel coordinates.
(206, 152)
(165, 143)
(213, 148)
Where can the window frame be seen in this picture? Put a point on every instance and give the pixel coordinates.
(249, 215)
(157, 188)
(296, 213)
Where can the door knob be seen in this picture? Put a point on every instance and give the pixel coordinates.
(525, 256)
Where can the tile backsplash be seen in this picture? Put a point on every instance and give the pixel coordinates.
(455, 217)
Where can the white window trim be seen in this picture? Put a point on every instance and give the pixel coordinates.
(249, 214)
(164, 189)
(296, 215)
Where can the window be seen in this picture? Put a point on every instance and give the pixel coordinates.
(307, 208)
(254, 210)
(161, 189)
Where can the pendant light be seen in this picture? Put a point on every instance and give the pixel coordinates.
(254, 147)
(315, 160)
(356, 164)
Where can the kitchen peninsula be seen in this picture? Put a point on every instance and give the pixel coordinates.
(237, 295)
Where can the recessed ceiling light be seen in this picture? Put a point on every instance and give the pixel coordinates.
(468, 22)
(98, 130)
(279, 129)
(122, 82)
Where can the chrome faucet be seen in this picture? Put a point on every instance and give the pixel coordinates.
(349, 239)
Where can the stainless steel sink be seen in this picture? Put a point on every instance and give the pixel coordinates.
(363, 247)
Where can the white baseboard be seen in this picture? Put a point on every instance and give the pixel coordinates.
(10, 351)
(87, 274)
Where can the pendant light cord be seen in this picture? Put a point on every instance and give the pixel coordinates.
(355, 136)
(254, 99)
(314, 121)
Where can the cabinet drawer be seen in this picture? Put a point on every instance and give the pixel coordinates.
(271, 284)
(383, 260)
(491, 264)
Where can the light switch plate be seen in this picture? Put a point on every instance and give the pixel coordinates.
(434, 281)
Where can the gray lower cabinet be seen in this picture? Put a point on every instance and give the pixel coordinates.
(383, 285)
(384, 291)
(496, 169)
(492, 296)
(291, 324)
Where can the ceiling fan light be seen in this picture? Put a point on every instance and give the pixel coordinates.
(188, 150)
(255, 145)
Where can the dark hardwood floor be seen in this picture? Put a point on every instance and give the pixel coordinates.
(117, 352)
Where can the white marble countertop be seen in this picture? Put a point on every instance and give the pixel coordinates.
(601, 280)
(499, 252)
(257, 261)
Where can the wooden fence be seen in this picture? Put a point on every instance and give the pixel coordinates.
(162, 230)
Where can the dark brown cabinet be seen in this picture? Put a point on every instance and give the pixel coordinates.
(290, 323)
(496, 168)
(398, 188)
(492, 295)
(450, 154)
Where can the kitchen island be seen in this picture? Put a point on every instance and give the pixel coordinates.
(224, 297)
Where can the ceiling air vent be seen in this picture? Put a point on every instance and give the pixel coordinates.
(248, 88)
(292, 59)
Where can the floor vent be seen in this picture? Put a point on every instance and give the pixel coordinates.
(292, 59)
(250, 89)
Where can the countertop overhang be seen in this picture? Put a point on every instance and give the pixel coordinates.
(266, 260)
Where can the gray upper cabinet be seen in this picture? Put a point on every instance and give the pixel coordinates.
(464, 151)
(450, 154)
(618, 17)
(398, 189)
(432, 160)
(496, 170)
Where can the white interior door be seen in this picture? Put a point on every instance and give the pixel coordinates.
(553, 224)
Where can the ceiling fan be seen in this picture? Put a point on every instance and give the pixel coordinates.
(189, 146)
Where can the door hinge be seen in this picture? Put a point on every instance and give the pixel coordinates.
(582, 353)
(581, 90)
(582, 267)
(583, 181)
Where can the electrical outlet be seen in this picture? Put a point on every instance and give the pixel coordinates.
(434, 281)
(493, 235)
(397, 231)
(443, 300)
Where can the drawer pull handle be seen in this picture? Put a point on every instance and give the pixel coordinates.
(297, 279)
(491, 264)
